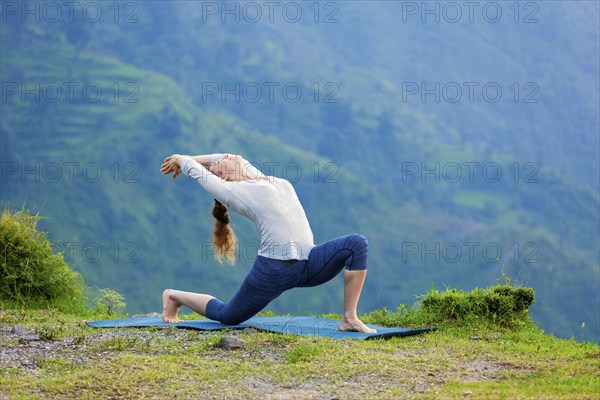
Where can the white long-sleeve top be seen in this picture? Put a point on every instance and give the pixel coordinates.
(270, 202)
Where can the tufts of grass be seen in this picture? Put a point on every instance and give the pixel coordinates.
(57, 365)
(302, 352)
(118, 343)
(50, 332)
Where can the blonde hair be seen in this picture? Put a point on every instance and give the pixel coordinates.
(224, 240)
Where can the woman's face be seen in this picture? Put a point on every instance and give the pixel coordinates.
(229, 168)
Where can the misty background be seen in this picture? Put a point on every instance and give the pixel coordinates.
(461, 140)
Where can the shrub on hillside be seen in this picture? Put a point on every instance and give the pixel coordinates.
(109, 302)
(31, 275)
(502, 304)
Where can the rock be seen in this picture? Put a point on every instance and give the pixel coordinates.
(19, 330)
(29, 338)
(231, 342)
(467, 393)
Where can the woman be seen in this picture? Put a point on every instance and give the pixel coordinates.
(287, 257)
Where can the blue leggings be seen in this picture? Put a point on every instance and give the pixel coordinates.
(269, 277)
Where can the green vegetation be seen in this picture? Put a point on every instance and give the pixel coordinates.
(110, 302)
(502, 306)
(505, 305)
(31, 275)
(485, 359)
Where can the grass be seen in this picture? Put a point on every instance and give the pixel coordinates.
(489, 361)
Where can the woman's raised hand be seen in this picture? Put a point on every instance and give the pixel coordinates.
(172, 164)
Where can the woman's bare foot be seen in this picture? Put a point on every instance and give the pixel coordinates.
(354, 325)
(170, 307)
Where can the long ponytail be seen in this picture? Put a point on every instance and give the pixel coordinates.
(224, 239)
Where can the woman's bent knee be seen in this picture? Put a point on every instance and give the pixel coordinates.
(359, 241)
(359, 246)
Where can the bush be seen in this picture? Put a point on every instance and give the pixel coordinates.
(500, 305)
(110, 302)
(504, 305)
(31, 275)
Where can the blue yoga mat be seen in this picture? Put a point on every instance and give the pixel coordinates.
(301, 326)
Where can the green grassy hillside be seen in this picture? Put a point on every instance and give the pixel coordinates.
(71, 359)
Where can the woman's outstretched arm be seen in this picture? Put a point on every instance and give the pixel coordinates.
(214, 185)
(249, 170)
(207, 159)
(171, 164)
